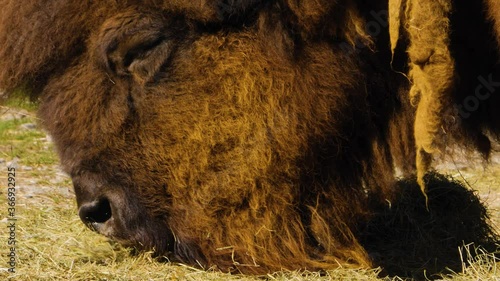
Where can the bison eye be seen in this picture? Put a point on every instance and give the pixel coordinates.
(140, 55)
(135, 43)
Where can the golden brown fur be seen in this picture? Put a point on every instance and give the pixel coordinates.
(493, 9)
(247, 138)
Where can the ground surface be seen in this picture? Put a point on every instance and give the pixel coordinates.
(52, 243)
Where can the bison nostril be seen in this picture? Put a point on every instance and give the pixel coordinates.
(96, 212)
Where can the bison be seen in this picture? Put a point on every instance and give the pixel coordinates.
(252, 135)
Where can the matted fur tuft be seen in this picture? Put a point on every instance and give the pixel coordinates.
(454, 71)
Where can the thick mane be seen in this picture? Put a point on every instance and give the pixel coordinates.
(47, 40)
(494, 15)
(32, 57)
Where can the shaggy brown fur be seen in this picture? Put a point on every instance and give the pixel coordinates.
(250, 135)
(494, 15)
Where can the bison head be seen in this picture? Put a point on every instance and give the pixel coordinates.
(243, 134)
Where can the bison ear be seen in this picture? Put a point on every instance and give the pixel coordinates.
(134, 44)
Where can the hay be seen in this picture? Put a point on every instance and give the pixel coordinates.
(406, 239)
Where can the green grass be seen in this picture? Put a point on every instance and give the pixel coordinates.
(54, 245)
(19, 100)
(26, 144)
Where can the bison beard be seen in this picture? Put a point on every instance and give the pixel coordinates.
(250, 135)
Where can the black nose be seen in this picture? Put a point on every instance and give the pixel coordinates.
(98, 211)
